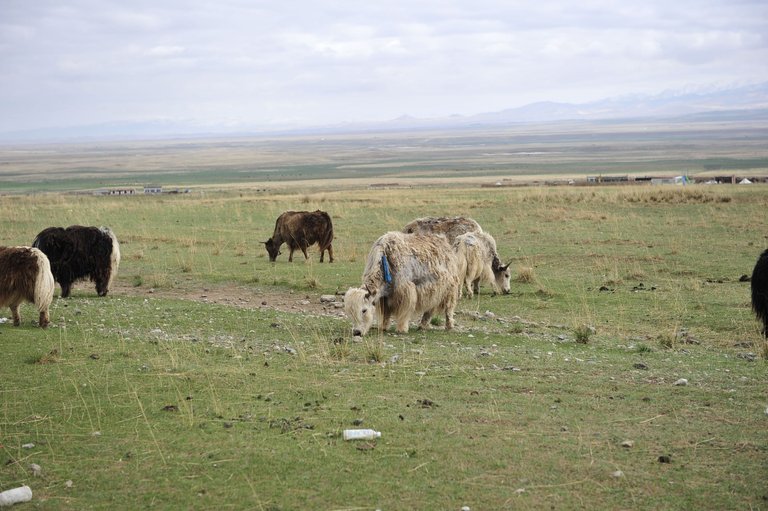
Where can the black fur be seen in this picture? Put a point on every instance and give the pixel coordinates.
(760, 291)
(78, 253)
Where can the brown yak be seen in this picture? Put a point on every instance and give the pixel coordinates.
(25, 276)
(300, 229)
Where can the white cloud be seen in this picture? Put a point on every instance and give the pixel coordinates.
(87, 61)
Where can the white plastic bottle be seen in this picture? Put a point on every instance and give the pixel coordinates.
(361, 434)
(15, 495)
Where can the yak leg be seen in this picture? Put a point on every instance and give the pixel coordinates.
(476, 286)
(15, 314)
(407, 304)
(304, 250)
(468, 286)
(425, 320)
(101, 285)
(384, 313)
(449, 319)
(44, 321)
(66, 289)
(329, 248)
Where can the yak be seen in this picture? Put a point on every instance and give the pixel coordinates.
(759, 284)
(300, 229)
(80, 252)
(25, 276)
(479, 262)
(405, 275)
(449, 226)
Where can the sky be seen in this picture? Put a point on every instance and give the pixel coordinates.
(244, 63)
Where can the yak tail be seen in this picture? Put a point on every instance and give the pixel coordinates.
(114, 256)
(44, 283)
(328, 232)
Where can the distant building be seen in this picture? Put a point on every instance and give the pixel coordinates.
(607, 179)
(677, 180)
(115, 191)
(153, 189)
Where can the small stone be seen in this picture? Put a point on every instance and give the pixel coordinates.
(327, 298)
(465, 508)
(37, 470)
(681, 382)
(28, 446)
(628, 443)
(665, 459)
(69, 483)
(617, 474)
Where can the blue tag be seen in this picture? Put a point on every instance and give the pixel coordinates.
(385, 269)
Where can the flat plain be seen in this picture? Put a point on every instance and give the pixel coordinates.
(210, 377)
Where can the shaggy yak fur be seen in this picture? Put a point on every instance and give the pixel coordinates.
(300, 229)
(79, 252)
(449, 226)
(759, 283)
(479, 262)
(423, 280)
(25, 276)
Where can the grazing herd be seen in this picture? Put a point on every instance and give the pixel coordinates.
(28, 274)
(420, 271)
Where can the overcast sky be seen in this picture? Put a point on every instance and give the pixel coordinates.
(242, 63)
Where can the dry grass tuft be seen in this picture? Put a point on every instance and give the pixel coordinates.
(525, 275)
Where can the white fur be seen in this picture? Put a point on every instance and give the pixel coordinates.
(114, 262)
(425, 281)
(476, 252)
(44, 283)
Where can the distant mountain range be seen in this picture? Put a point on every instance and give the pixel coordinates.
(741, 102)
(735, 103)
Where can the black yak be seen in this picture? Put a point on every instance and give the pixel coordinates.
(759, 283)
(300, 229)
(25, 276)
(79, 253)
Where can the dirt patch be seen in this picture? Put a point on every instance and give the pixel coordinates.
(240, 296)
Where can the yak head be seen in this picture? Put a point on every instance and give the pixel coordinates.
(273, 249)
(360, 308)
(501, 275)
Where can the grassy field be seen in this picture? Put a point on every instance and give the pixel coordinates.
(211, 378)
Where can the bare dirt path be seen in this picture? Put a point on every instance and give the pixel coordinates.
(241, 296)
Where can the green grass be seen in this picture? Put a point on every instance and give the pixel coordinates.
(157, 397)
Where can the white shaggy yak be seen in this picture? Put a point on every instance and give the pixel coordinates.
(405, 275)
(479, 262)
(25, 276)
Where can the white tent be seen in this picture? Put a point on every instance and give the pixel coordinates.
(745, 181)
